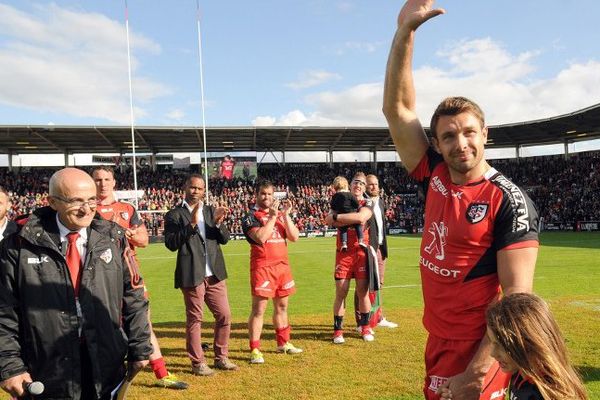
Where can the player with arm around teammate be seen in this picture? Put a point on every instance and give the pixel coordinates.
(480, 234)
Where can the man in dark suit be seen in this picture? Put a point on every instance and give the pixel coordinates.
(196, 231)
(378, 239)
(6, 226)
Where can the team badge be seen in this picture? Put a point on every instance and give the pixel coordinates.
(125, 215)
(106, 255)
(476, 212)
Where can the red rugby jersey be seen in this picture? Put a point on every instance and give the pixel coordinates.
(122, 213)
(274, 250)
(227, 169)
(465, 226)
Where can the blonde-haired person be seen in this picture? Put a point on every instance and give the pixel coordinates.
(527, 342)
(344, 202)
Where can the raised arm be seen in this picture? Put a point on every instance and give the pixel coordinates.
(291, 230)
(399, 90)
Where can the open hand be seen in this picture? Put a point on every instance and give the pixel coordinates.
(415, 12)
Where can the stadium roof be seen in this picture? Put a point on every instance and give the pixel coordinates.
(45, 139)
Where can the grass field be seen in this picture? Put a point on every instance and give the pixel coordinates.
(567, 276)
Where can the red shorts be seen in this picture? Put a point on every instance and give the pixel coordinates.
(445, 358)
(351, 264)
(272, 281)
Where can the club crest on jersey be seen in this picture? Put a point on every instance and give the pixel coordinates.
(106, 255)
(476, 212)
(439, 232)
(125, 215)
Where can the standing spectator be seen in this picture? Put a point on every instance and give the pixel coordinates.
(73, 326)
(196, 231)
(378, 241)
(6, 226)
(480, 232)
(267, 230)
(127, 216)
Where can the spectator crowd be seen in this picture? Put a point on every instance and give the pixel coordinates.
(563, 188)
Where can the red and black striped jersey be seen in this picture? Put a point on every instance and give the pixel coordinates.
(465, 226)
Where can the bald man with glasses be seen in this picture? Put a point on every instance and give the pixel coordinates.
(71, 311)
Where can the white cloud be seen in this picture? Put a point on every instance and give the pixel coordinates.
(61, 61)
(293, 118)
(176, 115)
(264, 121)
(503, 83)
(312, 78)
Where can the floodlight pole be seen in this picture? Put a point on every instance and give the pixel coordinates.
(135, 186)
(202, 100)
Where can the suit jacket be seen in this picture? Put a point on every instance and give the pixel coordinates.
(11, 227)
(373, 232)
(192, 248)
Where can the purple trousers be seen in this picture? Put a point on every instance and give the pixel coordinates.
(214, 293)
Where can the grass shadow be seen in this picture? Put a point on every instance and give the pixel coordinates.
(588, 373)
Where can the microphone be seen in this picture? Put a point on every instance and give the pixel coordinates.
(34, 388)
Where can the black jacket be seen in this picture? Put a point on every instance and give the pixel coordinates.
(38, 318)
(180, 235)
(11, 227)
(373, 233)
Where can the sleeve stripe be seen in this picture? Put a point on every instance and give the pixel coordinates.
(522, 245)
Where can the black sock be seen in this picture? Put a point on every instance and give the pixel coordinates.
(338, 322)
(364, 318)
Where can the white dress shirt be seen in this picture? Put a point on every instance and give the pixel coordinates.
(378, 212)
(81, 240)
(201, 228)
(3, 227)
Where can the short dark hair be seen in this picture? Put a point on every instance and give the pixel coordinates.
(265, 183)
(104, 168)
(3, 190)
(188, 181)
(454, 106)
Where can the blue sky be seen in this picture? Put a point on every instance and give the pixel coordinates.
(313, 62)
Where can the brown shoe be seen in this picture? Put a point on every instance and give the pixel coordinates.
(225, 364)
(202, 370)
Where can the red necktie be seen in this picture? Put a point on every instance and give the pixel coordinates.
(74, 261)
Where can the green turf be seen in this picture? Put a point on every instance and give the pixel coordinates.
(567, 276)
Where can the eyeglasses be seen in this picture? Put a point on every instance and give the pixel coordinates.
(359, 182)
(78, 203)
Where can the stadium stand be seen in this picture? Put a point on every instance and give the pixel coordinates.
(565, 190)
